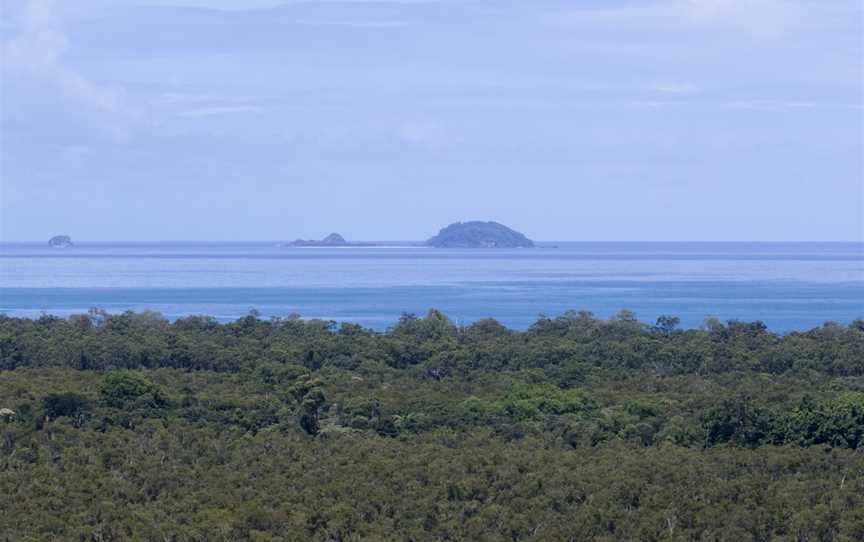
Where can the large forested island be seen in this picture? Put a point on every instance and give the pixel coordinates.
(478, 234)
(131, 427)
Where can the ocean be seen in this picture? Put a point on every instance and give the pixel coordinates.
(789, 286)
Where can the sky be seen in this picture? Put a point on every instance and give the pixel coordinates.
(584, 120)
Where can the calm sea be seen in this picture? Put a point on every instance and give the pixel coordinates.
(787, 285)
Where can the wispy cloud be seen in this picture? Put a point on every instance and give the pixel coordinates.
(353, 23)
(761, 19)
(761, 104)
(427, 134)
(675, 88)
(221, 110)
(790, 104)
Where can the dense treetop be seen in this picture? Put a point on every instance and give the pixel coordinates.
(129, 426)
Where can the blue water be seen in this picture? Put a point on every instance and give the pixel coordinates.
(787, 285)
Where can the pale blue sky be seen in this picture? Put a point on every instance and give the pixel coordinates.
(568, 120)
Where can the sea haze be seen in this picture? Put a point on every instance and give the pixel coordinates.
(789, 286)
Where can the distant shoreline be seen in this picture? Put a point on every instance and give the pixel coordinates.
(353, 245)
(623, 315)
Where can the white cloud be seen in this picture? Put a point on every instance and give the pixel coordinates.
(38, 48)
(758, 18)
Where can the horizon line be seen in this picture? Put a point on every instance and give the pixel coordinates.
(423, 241)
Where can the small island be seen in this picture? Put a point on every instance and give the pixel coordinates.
(332, 240)
(478, 234)
(60, 241)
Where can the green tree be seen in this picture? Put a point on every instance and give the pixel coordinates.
(125, 389)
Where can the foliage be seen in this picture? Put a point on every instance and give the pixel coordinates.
(130, 427)
(127, 389)
(71, 405)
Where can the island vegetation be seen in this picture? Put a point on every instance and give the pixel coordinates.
(332, 240)
(477, 234)
(132, 427)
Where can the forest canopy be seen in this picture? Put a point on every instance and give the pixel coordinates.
(130, 426)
